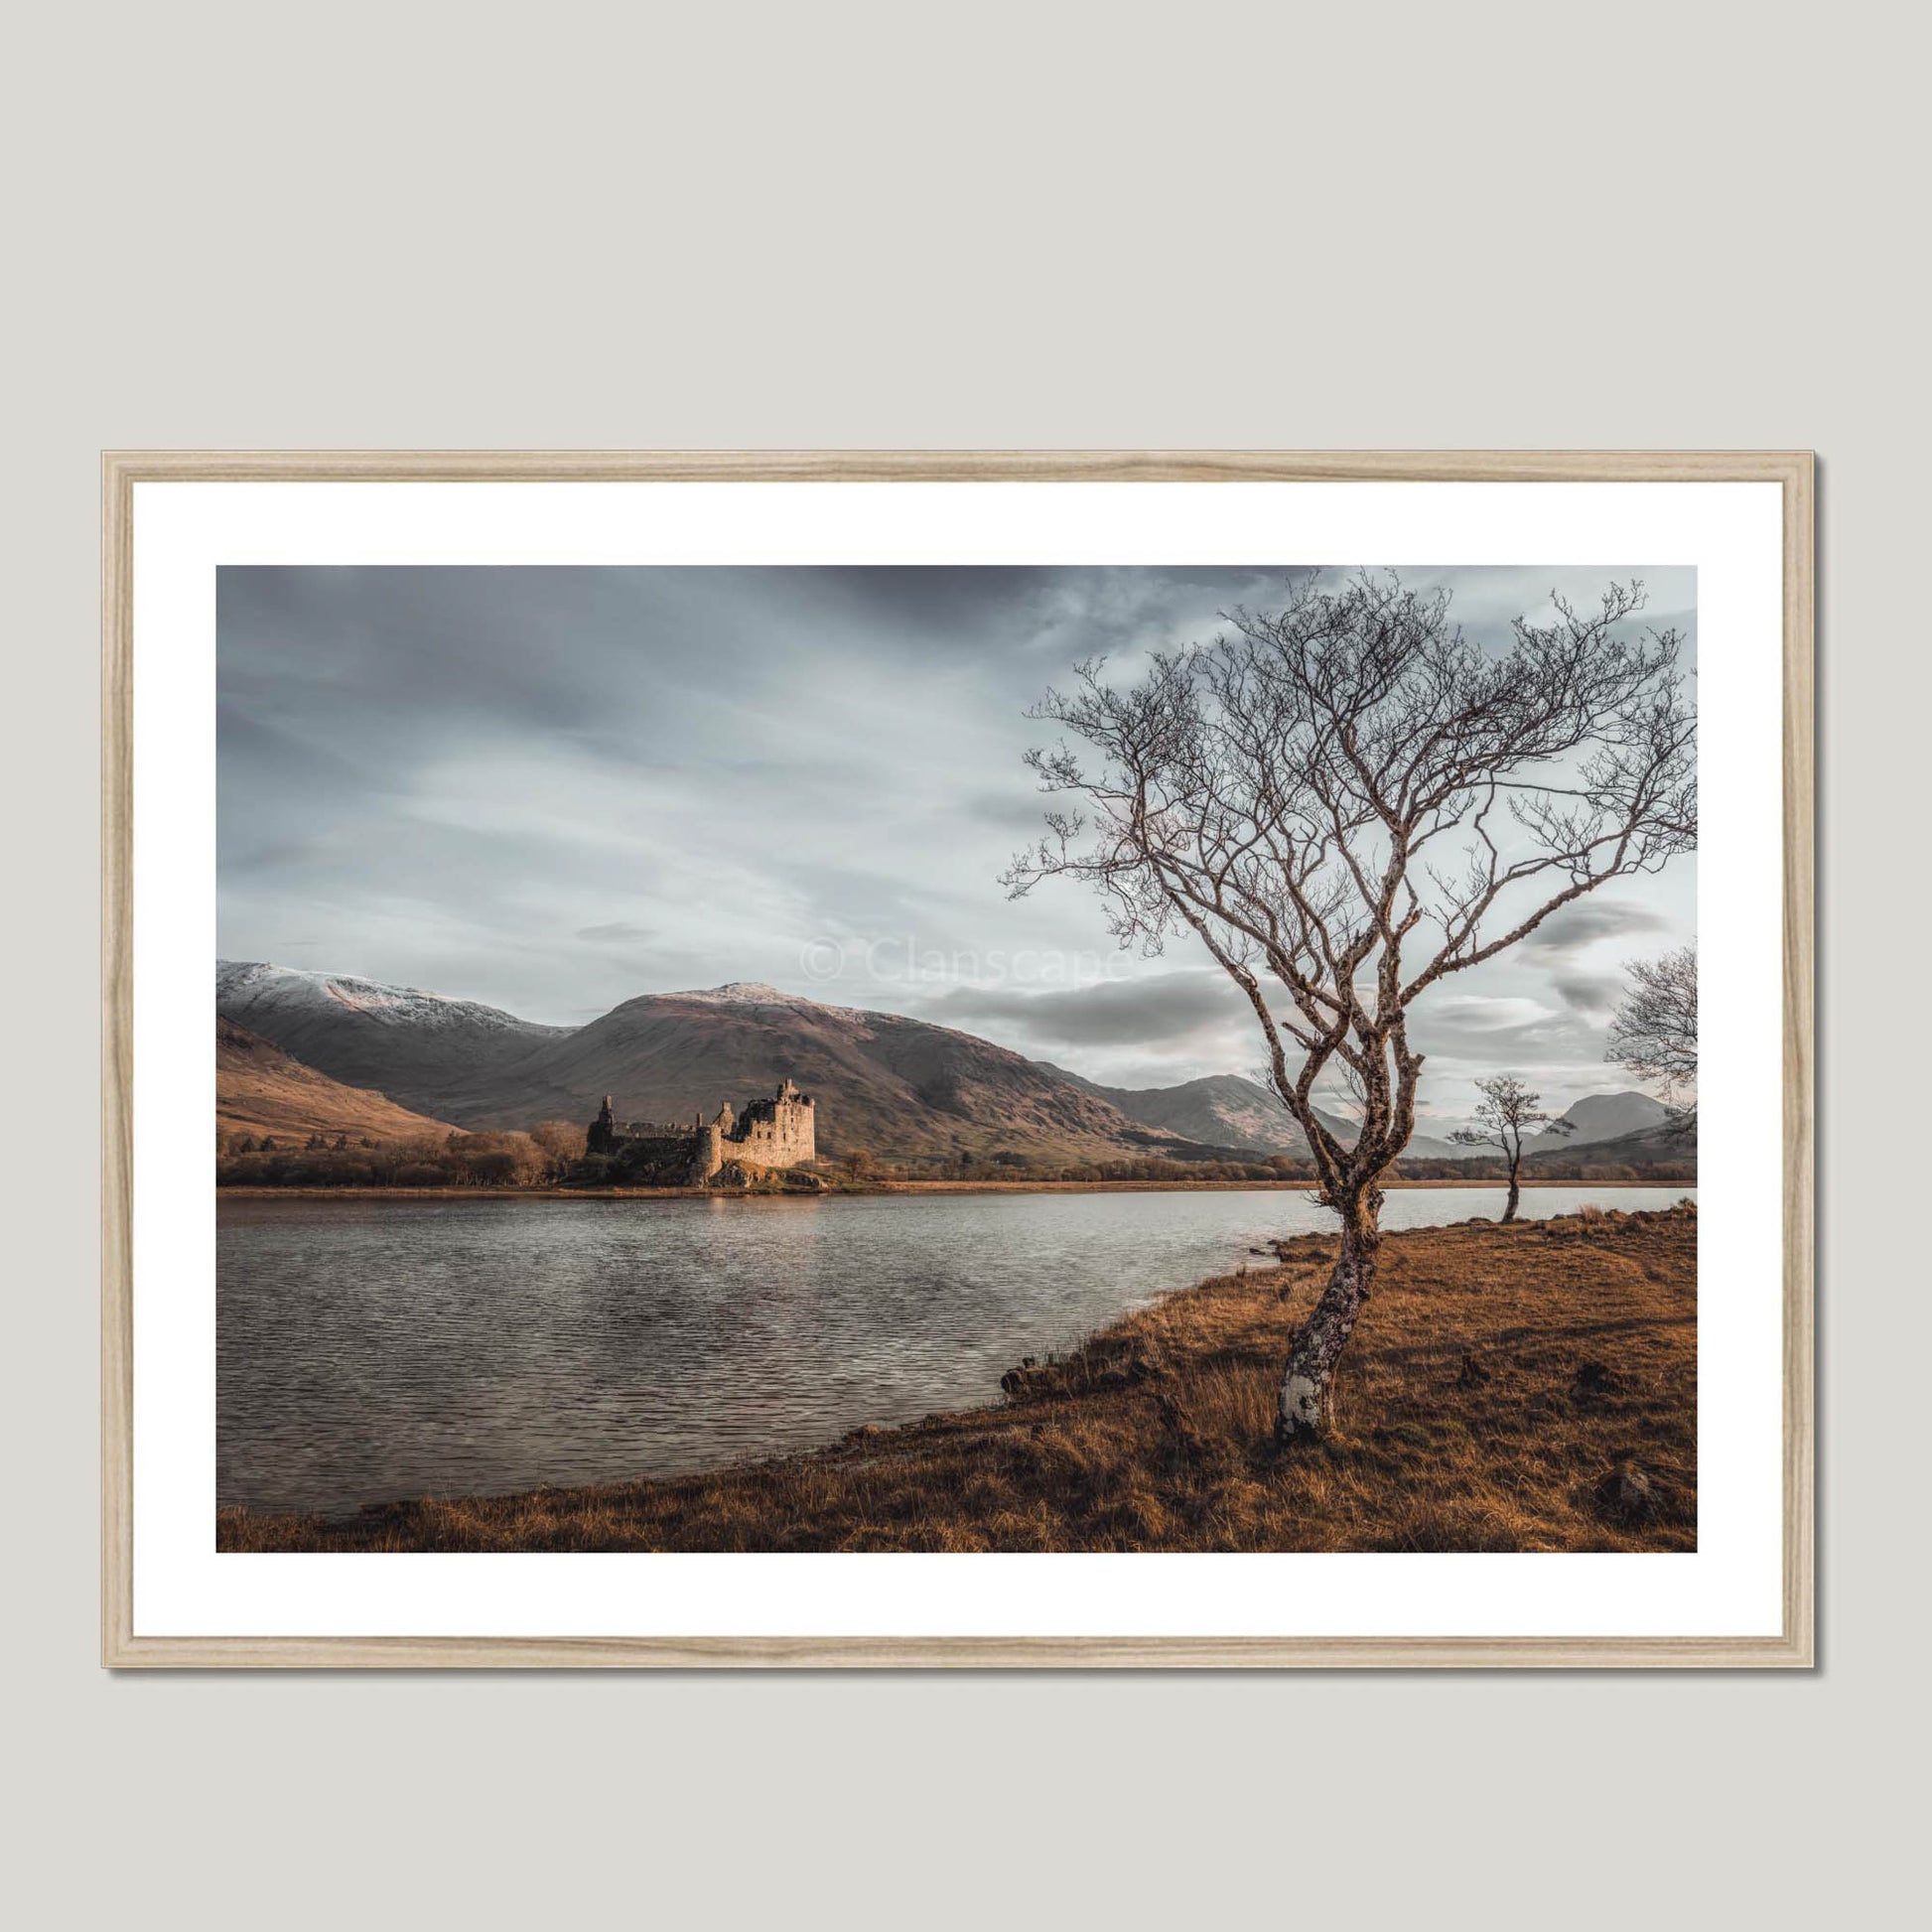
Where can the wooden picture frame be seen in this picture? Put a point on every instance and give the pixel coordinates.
(122, 1646)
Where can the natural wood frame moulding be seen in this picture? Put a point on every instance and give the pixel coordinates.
(121, 470)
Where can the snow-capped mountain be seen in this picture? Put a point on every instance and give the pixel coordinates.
(250, 983)
(741, 993)
(413, 1046)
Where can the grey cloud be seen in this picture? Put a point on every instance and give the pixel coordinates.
(556, 788)
(1568, 932)
(1020, 812)
(615, 933)
(1490, 1029)
(1161, 1013)
(1587, 991)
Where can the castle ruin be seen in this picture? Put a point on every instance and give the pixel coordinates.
(730, 1150)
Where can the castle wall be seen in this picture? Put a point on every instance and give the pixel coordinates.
(663, 1151)
(773, 1132)
(783, 1139)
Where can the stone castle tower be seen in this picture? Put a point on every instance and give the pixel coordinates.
(769, 1134)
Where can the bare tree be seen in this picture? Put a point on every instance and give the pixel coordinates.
(1654, 1029)
(563, 1143)
(1346, 802)
(1507, 1107)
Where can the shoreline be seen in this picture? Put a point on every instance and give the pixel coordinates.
(892, 1187)
(1467, 1422)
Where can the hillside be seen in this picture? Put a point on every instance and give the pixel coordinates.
(1221, 1110)
(891, 1085)
(260, 1090)
(414, 1046)
(1654, 1147)
(1224, 1110)
(1602, 1117)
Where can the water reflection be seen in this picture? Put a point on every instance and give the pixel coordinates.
(371, 1350)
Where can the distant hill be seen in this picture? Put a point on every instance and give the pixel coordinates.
(1224, 1110)
(1663, 1145)
(260, 1090)
(1221, 1110)
(1606, 1117)
(412, 1046)
(1227, 1111)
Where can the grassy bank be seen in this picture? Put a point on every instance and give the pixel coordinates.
(1305, 1186)
(1521, 1388)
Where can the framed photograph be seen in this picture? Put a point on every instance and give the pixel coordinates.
(957, 1059)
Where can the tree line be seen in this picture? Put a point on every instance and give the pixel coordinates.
(544, 1155)
(551, 1155)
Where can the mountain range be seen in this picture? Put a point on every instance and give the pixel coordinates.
(1226, 1110)
(891, 1085)
(894, 1086)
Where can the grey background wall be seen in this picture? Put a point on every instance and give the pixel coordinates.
(1049, 225)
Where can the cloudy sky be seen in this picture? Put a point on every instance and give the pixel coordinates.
(551, 789)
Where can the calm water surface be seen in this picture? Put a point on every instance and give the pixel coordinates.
(386, 1348)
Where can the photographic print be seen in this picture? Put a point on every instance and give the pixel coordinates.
(870, 1059)
(949, 1058)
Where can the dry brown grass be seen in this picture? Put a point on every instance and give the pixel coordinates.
(1518, 1388)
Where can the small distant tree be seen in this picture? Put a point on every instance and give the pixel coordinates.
(858, 1163)
(1506, 1108)
(1654, 1029)
(1346, 801)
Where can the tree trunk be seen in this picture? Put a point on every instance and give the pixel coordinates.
(1302, 1407)
(1515, 1194)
